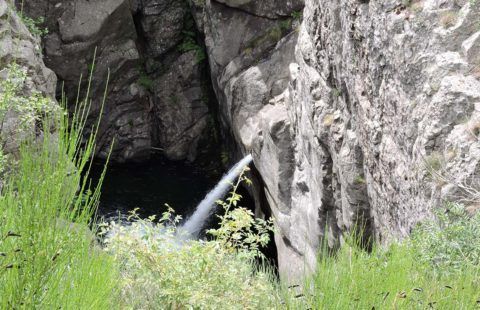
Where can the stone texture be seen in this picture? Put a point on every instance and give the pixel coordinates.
(137, 45)
(18, 45)
(346, 115)
(180, 110)
(265, 8)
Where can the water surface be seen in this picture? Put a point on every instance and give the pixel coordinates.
(150, 185)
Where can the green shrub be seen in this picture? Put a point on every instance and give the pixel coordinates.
(240, 232)
(451, 242)
(189, 44)
(35, 25)
(145, 81)
(161, 269)
(28, 108)
(297, 15)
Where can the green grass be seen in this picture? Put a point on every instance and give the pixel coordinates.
(48, 253)
(397, 277)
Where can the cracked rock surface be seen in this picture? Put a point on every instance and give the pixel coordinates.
(151, 79)
(347, 113)
(19, 46)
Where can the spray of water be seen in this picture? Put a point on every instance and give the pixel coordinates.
(205, 209)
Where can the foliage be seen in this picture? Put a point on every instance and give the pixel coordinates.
(448, 19)
(48, 257)
(385, 278)
(3, 162)
(297, 15)
(161, 268)
(28, 108)
(286, 24)
(450, 243)
(240, 232)
(145, 81)
(189, 44)
(34, 25)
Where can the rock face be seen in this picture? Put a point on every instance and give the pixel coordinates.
(358, 113)
(19, 46)
(152, 73)
(365, 114)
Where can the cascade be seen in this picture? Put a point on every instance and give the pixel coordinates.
(204, 210)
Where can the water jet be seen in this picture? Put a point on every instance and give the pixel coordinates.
(193, 226)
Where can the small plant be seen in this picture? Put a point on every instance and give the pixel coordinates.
(200, 3)
(360, 180)
(225, 157)
(189, 44)
(451, 242)
(286, 24)
(434, 164)
(34, 25)
(297, 15)
(336, 92)
(145, 81)
(27, 109)
(4, 162)
(239, 230)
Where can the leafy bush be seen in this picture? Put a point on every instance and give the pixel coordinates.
(240, 232)
(28, 108)
(451, 242)
(161, 268)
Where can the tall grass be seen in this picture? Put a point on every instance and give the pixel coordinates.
(396, 277)
(48, 253)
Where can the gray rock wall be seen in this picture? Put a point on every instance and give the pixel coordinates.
(155, 99)
(348, 114)
(19, 46)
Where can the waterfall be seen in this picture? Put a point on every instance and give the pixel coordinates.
(196, 222)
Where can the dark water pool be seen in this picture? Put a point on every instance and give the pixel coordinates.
(150, 185)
